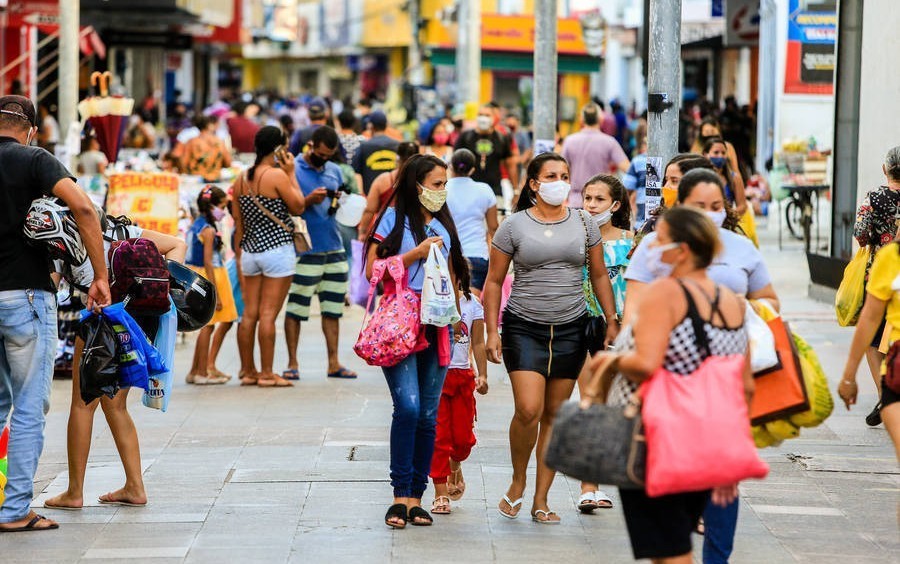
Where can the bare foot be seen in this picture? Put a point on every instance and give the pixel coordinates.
(65, 500)
(123, 497)
(271, 380)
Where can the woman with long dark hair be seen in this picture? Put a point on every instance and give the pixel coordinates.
(544, 344)
(267, 196)
(418, 218)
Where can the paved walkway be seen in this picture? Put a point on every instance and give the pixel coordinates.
(275, 475)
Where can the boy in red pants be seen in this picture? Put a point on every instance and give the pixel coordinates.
(456, 413)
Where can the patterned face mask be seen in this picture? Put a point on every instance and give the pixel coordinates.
(433, 200)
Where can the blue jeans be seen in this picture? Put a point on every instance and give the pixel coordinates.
(479, 270)
(27, 347)
(720, 524)
(415, 385)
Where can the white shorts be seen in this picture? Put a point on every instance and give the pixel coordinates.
(274, 263)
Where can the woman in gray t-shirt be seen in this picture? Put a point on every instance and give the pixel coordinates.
(543, 344)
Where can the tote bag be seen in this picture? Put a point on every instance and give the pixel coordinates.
(848, 301)
(438, 294)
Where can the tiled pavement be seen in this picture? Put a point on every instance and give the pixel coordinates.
(275, 475)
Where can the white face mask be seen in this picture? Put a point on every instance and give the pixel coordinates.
(554, 193)
(484, 123)
(603, 218)
(717, 217)
(656, 266)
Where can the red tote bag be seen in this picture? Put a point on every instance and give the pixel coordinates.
(698, 429)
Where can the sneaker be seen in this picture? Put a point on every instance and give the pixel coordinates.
(873, 419)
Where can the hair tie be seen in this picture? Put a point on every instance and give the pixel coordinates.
(206, 193)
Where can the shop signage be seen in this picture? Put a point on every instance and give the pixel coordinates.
(148, 199)
(742, 23)
(515, 33)
(810, 61)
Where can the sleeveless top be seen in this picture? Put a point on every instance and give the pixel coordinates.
(194, 255)
(686, 351)
(261, 234)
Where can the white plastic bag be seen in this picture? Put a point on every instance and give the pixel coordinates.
(438, 295)
(762, 342)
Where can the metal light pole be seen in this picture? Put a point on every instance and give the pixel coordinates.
(69, 18)
(664, 91)
(545, 75)
(468, 55)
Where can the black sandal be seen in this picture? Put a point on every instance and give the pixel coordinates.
(396, 511)
(419, 513)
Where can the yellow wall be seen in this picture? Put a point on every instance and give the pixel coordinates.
(386, 24)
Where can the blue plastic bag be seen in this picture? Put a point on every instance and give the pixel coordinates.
(157, 395)
(231, 266)
(138, 359)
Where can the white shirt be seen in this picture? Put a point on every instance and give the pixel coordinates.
(470, 311)
(52, 129)
(469, 202)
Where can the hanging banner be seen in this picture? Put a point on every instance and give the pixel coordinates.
(742, 23)
(810, 63)
(149, 199)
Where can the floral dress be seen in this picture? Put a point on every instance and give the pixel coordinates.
(876, 221)
(615, 255)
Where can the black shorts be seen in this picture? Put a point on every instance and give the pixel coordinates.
(888, 396)
(554, 351)
(876, 340)
(661, 527)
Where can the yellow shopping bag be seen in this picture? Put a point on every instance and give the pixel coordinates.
(852, 292)
(747, 224)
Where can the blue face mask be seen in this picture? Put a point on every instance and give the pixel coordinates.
(718, 162)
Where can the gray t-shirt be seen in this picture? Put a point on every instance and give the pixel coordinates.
(739, 267)
(547, 260)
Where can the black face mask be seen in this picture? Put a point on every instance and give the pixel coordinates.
(316, 160)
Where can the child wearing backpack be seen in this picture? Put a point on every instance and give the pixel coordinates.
(204, 256)
(456, 413)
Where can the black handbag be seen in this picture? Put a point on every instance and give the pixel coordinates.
(598, 443)
(595, 328)
(99, 369)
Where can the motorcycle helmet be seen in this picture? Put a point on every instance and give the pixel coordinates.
(193, 295)
(50, 223)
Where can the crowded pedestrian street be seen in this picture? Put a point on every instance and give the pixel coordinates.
(238, 474)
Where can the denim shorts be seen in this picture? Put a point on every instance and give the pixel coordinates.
(478, 267)
(274, 263)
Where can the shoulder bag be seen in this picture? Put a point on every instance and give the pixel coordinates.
(595, 329)
(599, 443)
(302, 242)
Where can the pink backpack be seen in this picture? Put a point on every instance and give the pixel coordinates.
(392, 333)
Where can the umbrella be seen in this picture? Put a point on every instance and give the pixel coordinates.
(107, 115)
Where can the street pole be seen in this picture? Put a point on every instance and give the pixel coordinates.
(545, 76)
(69, 20)
(416, 75)
(664, 92)
(468, 56)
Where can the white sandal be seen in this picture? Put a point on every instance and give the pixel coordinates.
(547, 520)
(512, 505)
(602, 498)
(587, 503)
(200, 380)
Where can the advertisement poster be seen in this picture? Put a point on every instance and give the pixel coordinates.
(654, 183)
(810, 64)
(149, 199)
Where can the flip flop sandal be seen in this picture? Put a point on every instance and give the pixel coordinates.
(123, 503)
(441, 505)
(346, 375)
(458, 487)
(587, 503)
(291, 374)
(398, 511)
(31, 526)
(61, 507)
(512, 505)
(603, 500)
(419, 513)
(546, 520)
(273, 383)
(218, 374)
